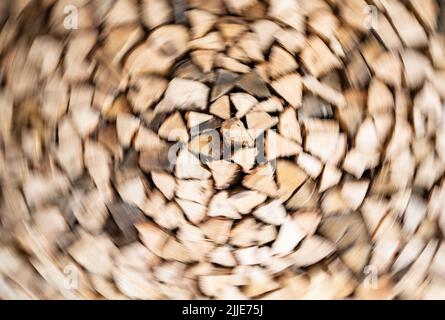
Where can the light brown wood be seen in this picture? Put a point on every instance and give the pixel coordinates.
(243, 103)
(204, 59)
(271, 213)
(289, 126)
(281, 62)
(223, 172)
(290, 88)
(188, 166)
(126, 126)
(183, 95)
(410, 30)
(220, 206)
(289, 178)
(202, 21)
(223, 149)
(150, 57)
(317, 57)
(221, 107)
(278, 146)
(245, 201)
(261, 179)
(145, 91)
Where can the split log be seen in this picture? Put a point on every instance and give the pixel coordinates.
(290, 88)
(222, 149)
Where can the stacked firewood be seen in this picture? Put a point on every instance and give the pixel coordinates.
(223, 149)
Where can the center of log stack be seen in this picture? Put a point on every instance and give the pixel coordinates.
(223, 149)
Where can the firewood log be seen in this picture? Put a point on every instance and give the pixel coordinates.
(222, 149)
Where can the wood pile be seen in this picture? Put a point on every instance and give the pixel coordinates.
(222, 149)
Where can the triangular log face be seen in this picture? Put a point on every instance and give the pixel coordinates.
(261, 179)
(173, 129)
(290, 88)
(278, 146)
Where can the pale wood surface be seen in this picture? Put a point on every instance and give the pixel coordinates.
(223, 149)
